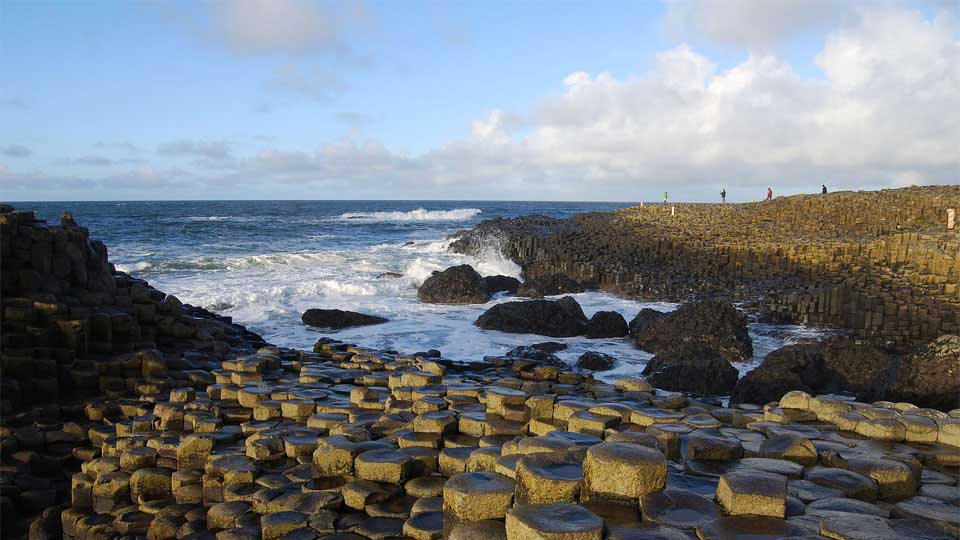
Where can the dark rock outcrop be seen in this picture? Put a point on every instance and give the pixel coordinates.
(930, 377)
(390, 275)
(497, 284)
(595, 361)
(833, 366)
(555, 318)
(455, 285)
(715, 324)
(606, 324)
(692, 367)
(540, 352)
(549, 285)
(337, 318)
(643, 320)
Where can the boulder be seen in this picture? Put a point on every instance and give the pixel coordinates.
(455, 285)
(606, 324)
(836, 365)
(692, 367)
(337, 318)
(643, 320)
(930, 377)
(497, 284)
(390, 275)
(539, 352)
(549, 285)
(716, 324)
(595, 361)
(554, 318)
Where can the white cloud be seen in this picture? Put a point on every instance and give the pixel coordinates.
(214, 151)
(753, 24)
(882, 115)
(288, 26)
(256, 26)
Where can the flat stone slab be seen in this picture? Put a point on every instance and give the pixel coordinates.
(553, 522)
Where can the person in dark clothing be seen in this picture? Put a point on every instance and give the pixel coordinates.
(769, 194)
(723, 195)
(823, 189)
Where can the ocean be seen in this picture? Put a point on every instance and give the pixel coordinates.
(265, 262)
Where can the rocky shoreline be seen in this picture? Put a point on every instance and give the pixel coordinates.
(127, 414)
(879, 264)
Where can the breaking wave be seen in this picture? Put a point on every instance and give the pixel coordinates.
(420, 214)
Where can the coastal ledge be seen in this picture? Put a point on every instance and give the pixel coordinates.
(881, 264)
(127, 414)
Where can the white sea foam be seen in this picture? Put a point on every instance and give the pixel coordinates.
(271, 291)
(420, 214)
(419, 270)
(132, 267)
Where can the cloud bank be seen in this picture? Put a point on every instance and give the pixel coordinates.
(882, 113)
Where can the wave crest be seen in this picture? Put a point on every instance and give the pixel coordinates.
(420, 214)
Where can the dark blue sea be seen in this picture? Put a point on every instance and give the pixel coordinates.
(265, 262)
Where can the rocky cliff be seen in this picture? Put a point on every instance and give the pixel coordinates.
(73, 327)
(879, 263)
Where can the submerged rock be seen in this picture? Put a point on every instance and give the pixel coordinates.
(390, 275)
(540, 352)
(549, 285)
(712, 323)
(554, 318)
(337, 318)
(455, 285)
(692, 367)
(595, 361)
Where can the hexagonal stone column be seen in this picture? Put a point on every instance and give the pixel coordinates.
(548, 478)
(553, 522)
(384, 466)
(753, 492)
(622, 472)
(475, 496)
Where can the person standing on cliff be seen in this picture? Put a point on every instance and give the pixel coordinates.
(723, 195)
(769, 194)
(823, 189)
(665, 197)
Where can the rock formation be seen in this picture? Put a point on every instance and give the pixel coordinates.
(338, 318)
(455, 285)
(554, 318)
(879, 263)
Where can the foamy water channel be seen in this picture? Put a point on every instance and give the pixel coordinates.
(266, 262)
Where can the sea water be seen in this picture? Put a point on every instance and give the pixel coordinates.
(266, 262)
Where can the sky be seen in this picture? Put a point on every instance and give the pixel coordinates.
(522, 100)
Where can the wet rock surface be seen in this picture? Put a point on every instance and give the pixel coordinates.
(505, 284)
(455, 285)
(606, 324)
(930, 377)
(713, 324)
(549, 285)
(693, 368)
(338, 318)
(554, 318)
(846, 365)
(596, 361)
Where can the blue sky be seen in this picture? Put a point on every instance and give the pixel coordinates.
(470, 100)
